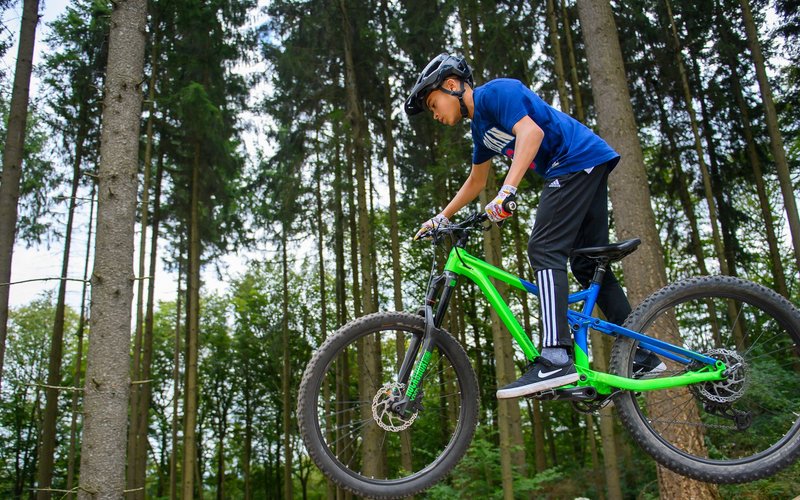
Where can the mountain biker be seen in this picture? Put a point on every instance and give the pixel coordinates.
(509, 119)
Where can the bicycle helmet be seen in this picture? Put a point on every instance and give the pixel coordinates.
(433, 76)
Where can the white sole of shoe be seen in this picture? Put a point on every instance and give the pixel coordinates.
(652, 373)
(544, 385)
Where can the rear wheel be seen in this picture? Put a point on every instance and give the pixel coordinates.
(346, 419)
(735, 430)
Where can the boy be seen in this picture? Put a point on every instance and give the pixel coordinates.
(508, 118)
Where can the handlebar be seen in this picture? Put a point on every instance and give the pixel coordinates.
(473, 221)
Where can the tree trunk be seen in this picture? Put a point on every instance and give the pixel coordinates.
(394, 230)
(558, 59)
(512, 450)
(573, 73)
(687, 95)
(323, 299)
(342, 377)
(48, 440)
(286, 375)
(523, 270)
(248, 449)
(601, 347)
(372, 464)
(684, 195)
(221, 433)
(192, 333)
(107, 376)
(12, 159)
(136, 470)
(73, 428)
(776, 139)
(176, 382)
(644, 270)
(147, 347)
(778, 274)
(708, 189)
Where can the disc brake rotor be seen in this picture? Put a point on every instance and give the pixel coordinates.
(730, 389)
(382, 408)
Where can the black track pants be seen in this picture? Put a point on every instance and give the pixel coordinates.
(572, 213)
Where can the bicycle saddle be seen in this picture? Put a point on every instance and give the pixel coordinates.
(609, 253)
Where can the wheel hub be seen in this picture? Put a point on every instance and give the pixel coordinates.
(729, 389)
(382, 411)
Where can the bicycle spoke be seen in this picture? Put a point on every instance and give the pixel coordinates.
(353, 430)
(756, 407)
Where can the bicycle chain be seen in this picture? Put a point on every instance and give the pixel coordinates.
(695, 424)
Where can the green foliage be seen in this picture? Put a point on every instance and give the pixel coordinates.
(25, 369)
(477, 475)
(197, 50)
(39, 177)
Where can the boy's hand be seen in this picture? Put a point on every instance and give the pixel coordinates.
(434, 223)
(503, 205)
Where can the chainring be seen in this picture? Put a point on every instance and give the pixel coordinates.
(382, 412)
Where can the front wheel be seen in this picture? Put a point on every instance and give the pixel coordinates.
(743, 428)
(349, 429)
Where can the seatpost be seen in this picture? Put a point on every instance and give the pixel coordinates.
(599, 271)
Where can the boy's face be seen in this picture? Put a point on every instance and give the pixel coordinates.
(445, 107)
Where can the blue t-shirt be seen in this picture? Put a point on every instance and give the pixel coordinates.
(568, 145)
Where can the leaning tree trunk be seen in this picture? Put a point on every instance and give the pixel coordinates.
(644, 270)
(558, 59)
(698, 146)
(136, 472)
(776, 139)
(778, 274)
(573, 73)
(12, 160)
(107, 374)
(394, 230)
(147, 342)
(713, 213)
(372, 464)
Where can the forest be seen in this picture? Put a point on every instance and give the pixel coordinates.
(262, 146)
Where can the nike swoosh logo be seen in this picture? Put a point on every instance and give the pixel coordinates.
(547, 374)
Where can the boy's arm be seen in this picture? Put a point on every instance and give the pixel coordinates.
(529, 138)
(470, 190)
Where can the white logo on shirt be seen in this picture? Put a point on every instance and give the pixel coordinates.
(495, 139)
(555, 184)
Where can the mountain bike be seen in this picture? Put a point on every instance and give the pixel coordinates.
(389, 403)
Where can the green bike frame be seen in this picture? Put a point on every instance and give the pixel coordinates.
(461, 263)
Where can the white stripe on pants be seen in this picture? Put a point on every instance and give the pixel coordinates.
(547, 297)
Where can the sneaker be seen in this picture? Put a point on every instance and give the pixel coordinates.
(646, 363)
(541, 375)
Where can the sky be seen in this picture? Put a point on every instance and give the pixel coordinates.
(45, 260)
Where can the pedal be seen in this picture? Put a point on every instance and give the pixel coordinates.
(567, 394)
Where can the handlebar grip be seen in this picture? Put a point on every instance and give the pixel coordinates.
(510, 203)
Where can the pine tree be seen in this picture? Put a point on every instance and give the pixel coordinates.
(107, 376)
(12, 159)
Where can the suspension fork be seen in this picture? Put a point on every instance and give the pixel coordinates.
(442, 286)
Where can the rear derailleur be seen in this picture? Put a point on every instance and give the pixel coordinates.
(741, 419)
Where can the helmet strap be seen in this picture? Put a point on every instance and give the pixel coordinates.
(460, 95)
